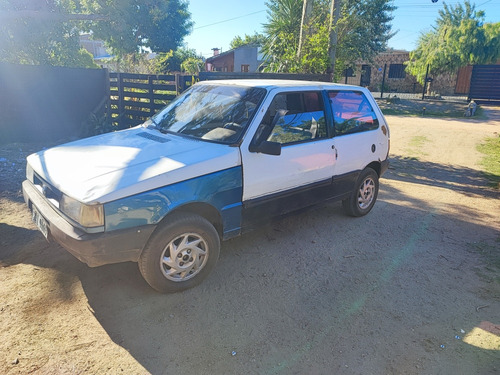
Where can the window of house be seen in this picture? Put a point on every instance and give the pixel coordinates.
(293, 118)
(352, 112)
(245, 68)
(397, 71)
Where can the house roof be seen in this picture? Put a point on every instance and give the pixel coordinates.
(212, 58)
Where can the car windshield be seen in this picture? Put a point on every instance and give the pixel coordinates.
(211, 112)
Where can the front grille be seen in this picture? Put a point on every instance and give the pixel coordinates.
(52, 194)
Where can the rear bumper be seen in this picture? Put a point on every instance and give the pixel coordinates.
(94, 249)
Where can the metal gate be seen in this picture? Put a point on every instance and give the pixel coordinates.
(485, 83)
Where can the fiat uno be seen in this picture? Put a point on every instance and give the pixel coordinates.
(221, 158)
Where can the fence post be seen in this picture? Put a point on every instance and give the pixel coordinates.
(119, 82)
(107, 89)
(425, 82)
(383, 82)
(177, 84)
(151, 96)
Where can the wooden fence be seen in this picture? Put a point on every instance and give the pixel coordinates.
(485, 84)
(136, 97)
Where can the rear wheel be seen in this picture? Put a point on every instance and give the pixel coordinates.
(180, 253)
(364, 195)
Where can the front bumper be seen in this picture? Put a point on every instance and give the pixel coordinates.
(94, 249)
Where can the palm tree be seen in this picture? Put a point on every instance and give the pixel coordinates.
(282, 30)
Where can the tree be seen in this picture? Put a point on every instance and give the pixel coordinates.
(41, 33)
(282, 35)
(255, 39)
(172, 60)
(459, 38)
(192, 65)
(363, 29)
(136, 25)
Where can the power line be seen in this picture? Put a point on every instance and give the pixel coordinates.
(229, 19)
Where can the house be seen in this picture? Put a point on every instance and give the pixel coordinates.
(392, 63)
(246, 59)
(97, 48)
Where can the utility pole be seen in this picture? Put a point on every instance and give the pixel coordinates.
(334, 17)
(306, 13)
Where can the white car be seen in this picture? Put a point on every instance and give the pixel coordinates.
(221, 158)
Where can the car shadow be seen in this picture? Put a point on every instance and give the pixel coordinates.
(461, 179)
(280, 296)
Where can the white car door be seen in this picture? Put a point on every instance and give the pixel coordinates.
(297, 122)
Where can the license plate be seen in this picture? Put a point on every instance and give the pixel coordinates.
(40, 222)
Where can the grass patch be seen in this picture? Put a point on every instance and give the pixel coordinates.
(491, 160)
(418, 141)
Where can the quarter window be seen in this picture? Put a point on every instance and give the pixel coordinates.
(352, 112)
(293, 118)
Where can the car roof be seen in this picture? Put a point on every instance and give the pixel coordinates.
(281, 83)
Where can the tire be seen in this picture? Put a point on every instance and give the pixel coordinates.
(364, 195)
(167, 262)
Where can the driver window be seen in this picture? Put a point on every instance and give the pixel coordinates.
(294, 118)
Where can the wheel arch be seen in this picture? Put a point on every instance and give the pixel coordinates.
(202, 209)
(376, 166)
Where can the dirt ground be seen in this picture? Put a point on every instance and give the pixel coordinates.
(412, 288)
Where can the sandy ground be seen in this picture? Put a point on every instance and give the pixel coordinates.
(411, 288)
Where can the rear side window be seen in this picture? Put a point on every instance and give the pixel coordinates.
(295, 117)
(352, 112)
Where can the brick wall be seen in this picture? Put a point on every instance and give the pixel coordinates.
(397, 81)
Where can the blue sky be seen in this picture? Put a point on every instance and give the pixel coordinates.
(217, 22)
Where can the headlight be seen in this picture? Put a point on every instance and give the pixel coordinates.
(86, 215)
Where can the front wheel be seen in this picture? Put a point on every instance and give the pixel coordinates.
(180, 253)
(364, 195)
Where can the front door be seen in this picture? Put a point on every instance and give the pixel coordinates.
(276, 184)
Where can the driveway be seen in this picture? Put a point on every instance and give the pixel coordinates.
(411, 288)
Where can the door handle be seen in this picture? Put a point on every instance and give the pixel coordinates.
(336, 153)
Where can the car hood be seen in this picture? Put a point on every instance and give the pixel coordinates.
(115, 165)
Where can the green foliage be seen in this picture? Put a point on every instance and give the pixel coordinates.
(132, 25)
(98, 124)
(491, 160)
(362, 31)
(172, 60)
(138, 63)
(192, 65)
(459, 38)
(314, 57)
(255, 39)
(26, 39)
(282, 35)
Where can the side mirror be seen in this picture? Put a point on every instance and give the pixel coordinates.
(266, 147)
